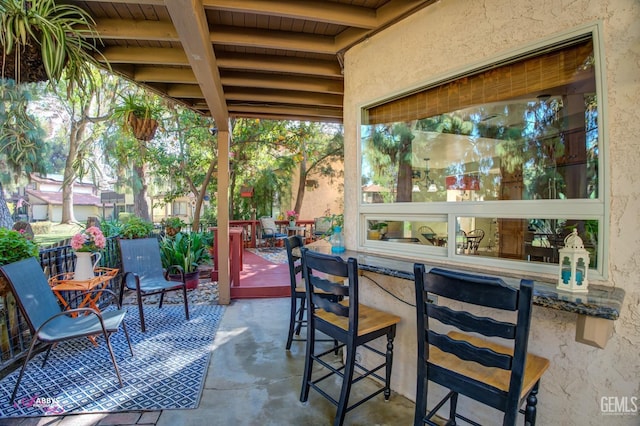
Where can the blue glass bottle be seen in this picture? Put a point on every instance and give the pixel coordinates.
(337, 240)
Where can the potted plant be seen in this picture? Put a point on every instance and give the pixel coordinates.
(44, 40)
(172, 225)
(139, 115)
(14, 246)
(376, 230)
(187, 251)
(135, 227)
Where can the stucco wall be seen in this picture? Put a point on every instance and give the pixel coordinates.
(454, 34)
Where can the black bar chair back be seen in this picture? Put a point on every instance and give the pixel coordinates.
(352, 324)
(502, 377)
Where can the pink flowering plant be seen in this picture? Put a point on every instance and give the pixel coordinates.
(292, 215)
(91, 239)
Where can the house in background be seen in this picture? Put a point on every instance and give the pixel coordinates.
(41, 200)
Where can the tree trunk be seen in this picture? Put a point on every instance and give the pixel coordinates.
(405, 183)
(5, 215)
(140, 205)
(75, 136)
(301, 185)
(195, 224)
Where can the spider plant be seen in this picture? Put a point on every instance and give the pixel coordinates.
(57, 37)
(139, 115)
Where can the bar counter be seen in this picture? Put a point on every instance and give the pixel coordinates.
(601, 301)
(387, 283)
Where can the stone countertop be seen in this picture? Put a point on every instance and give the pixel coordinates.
(601, 301)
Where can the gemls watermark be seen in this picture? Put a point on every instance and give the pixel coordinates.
(619, 405)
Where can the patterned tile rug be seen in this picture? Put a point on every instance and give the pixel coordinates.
(167, 370)
(273, 255)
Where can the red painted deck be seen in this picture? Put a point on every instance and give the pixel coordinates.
(260, 278)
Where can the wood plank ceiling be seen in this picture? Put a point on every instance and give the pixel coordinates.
(279, 59)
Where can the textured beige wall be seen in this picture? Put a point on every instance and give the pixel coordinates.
(327, 196)
(455, 34)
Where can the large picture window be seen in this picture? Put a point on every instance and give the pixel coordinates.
(508, 155)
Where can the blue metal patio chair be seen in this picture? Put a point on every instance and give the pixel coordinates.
(47, 321)
(269, 232)
(143, 272)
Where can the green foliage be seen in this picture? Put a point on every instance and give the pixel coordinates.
(111, 228)
(268, 155)
(173, 222)
(62, 31)
(21, 137)
(14, 246)
(185, 250)
(337, 220)
(377, 226)
(136, 227)
(140, 105)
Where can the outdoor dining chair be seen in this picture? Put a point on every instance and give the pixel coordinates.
(474, 237)
(269, 232)
(322, 227)
(48, 322)
(297, 317)
(351, 323)
(143, 273)
(502, 377)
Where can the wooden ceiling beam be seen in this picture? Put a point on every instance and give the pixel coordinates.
(145, 2)
(285, 40)
(274, 81)
(189, 19)
(337, 13)
(190, 91)
(285, 64)
(130, 29)
(166, 75)
(267, 63)
(145, 55)
(283, 97)
(334, 113)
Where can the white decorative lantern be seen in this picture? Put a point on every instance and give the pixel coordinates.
(574, 265)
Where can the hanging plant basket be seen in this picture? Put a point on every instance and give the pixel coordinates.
(29, 69)
(143, 129)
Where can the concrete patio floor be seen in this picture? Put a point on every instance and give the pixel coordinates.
(253, 380)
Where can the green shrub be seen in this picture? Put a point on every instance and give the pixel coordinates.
(14, 246)
(124, 217)
(136, 227)
(40, 228)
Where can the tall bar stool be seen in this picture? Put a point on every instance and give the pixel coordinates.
(351, 323)
(503, 377)
(297, 318)
(298, 292)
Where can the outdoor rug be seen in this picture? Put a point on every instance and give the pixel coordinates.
(167, 370)
(273, 255)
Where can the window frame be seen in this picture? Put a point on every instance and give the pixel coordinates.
(579, 209)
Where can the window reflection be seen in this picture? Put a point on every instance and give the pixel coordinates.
(430, 233)
(532, 240)
(448, 143)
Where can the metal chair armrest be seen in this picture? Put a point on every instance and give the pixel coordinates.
(171, 268)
